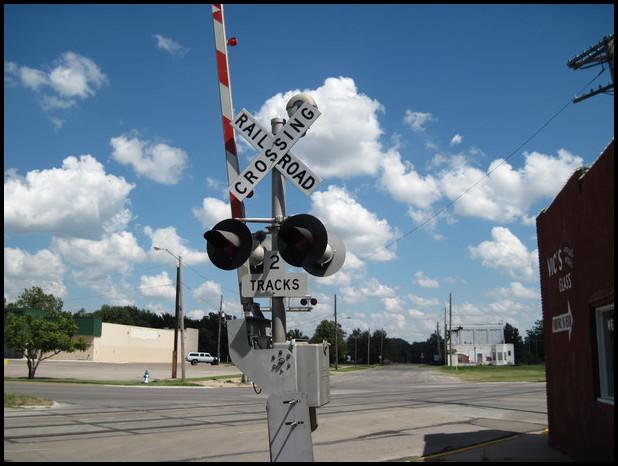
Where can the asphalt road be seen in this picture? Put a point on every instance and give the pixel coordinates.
(389, 413)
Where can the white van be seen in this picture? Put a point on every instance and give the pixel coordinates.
(194, 358)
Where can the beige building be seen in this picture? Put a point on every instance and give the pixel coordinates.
(126, 343)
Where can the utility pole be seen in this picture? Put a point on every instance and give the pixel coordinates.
(336, 338)
(176, 314)
(219, 333)
(445, 337)
(368, 343)
(382, 347)
(438, 339)
(599, 54)
(179, 319)
(450, 333)
(181, 316)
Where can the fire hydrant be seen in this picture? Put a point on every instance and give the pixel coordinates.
(146, 376)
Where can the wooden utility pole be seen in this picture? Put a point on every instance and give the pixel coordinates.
(336, 338)
(219, 335)
(368, 343)
(446, 336)
(382, 347)
(438, 339)
(450, 328)
(182, 322)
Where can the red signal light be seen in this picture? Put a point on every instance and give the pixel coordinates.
(232, 42)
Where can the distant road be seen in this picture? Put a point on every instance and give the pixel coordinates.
(89, 370)
(387, 413)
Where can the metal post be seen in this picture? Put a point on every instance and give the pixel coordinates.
(219, 333)
(382, 347)
(445, 337)
(175, 351)
(336, 339)
(278, 212)
(368, 344)
(450, 326)
(182, 318)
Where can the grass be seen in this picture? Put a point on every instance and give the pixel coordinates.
(343, 369)
(517, 373)
(152, 383)
(14, 400)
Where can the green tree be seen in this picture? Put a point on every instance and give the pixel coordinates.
(326, 331)
(296, 334)
(40, 339)
(355, 346)
(35, 298)
(534, 343)
(511, 335)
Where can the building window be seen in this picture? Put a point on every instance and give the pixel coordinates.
(605, 347)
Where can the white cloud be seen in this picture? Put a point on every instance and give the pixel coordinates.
(196, 314)
(417, 120)
(24, 270)
(507, 307)
(159, 162)
(344, 140)
(57, 122)
(508, 254)
(97, 263)
(515, 290)
(424, 281)
(353, 269)
(208, 291)
(118, 294)
(404, 184)
(457, 139)
(392, 304)
(423, 302)
(171, 46)
(72, 76)
(158, 286)
(77, 200)
(508, 193)
(167, 238)
(115, 253)
(76, 76)
(363, 233)
(370, 288)
(212, 211)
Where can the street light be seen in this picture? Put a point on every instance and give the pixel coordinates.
(179, 318)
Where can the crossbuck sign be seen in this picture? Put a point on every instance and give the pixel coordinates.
(275, 152)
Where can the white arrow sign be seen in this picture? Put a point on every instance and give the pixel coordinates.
(275, 151)
(563, 322)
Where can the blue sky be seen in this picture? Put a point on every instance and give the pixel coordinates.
(113, 144)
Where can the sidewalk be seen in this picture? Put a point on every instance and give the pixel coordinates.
(532, 446)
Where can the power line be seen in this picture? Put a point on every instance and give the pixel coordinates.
(486, 175)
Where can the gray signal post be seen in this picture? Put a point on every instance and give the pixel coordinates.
(278, 212)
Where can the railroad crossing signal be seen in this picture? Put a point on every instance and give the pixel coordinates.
(275, 151)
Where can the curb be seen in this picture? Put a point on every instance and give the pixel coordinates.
(506, 438)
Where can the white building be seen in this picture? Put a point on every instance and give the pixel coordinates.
(480, 344)
(127, 343)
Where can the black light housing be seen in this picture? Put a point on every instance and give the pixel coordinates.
(302, 240)
(229, 244)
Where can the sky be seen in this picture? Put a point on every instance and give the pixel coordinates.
(113, 145)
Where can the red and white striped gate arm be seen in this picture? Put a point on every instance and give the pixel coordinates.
(231, 155)
(225, 93)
